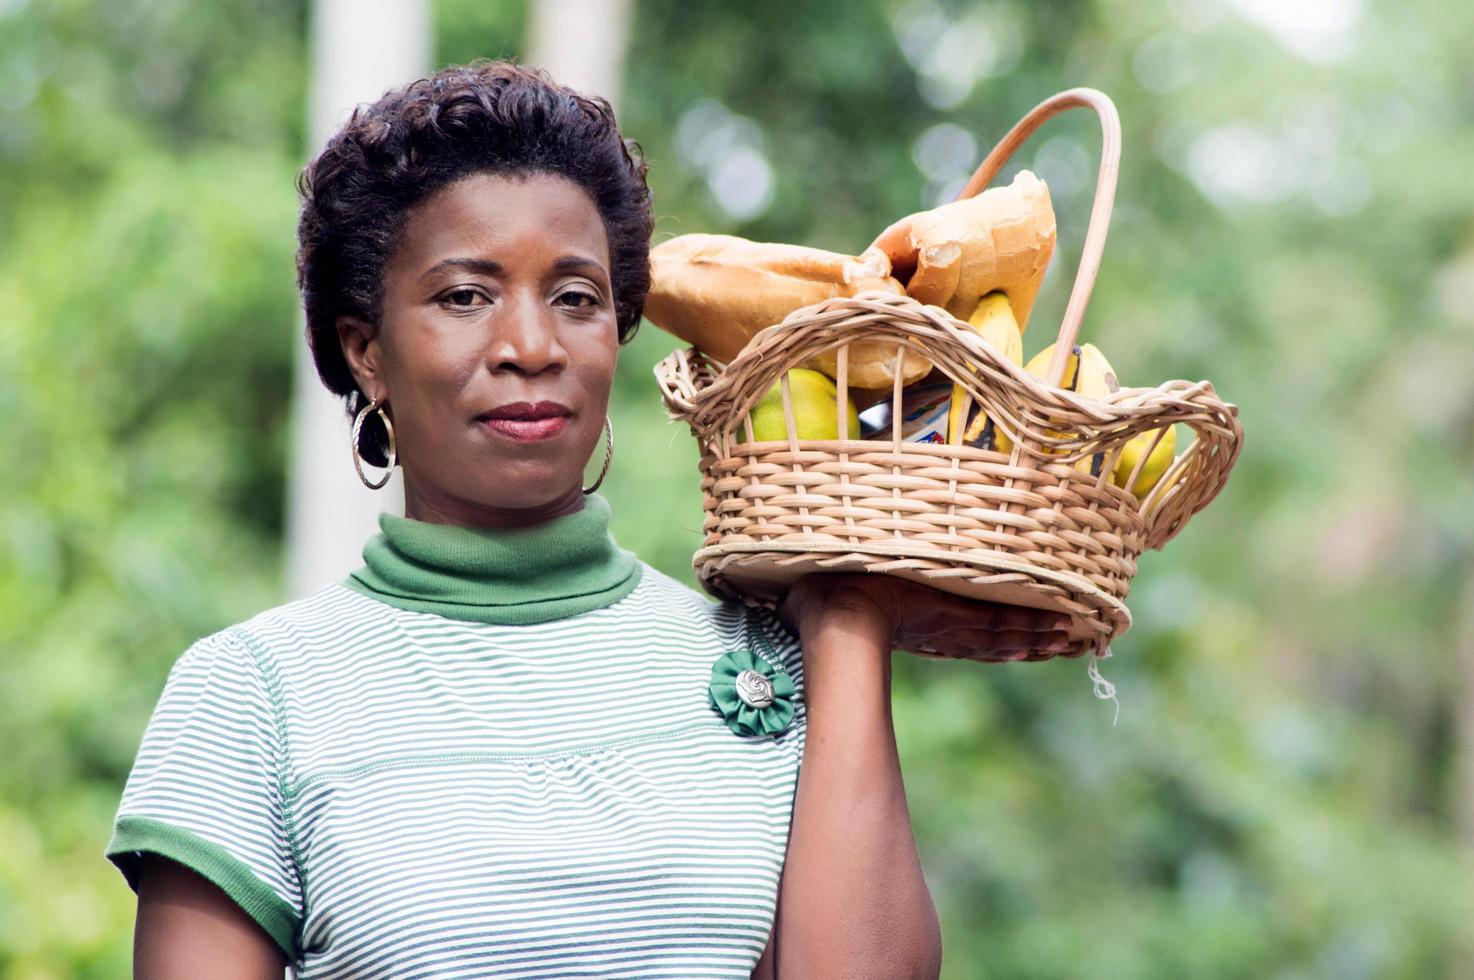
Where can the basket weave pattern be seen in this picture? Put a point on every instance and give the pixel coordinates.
(1024, 526)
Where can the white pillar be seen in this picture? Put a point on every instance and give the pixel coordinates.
(360, 49)
(581, 43)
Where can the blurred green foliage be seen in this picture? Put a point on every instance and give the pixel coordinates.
(1284, 795)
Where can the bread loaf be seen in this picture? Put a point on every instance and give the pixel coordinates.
(716, 291)
(953, 255)
(872, 365)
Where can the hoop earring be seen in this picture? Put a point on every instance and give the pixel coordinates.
(373, 406)
(608, 455)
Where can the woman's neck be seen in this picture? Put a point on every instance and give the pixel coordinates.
(422, 504)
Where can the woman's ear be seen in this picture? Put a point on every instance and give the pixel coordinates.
(360, 343)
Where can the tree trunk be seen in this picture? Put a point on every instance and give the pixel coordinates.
(581, 43)
(1463, 957)
(360, 49)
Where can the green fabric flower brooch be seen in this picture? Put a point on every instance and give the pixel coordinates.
(754, 696)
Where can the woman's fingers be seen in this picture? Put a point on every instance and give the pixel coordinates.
(953, 612)
(999, 646)
(1004, 619)
(1015, 618)
(927, 618)
(989, 628)
(1026, 640)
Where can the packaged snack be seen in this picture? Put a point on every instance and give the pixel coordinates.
(923, 415)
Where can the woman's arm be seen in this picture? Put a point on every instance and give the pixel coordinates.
(191, 930)
(852, 902)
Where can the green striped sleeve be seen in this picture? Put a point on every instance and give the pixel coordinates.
(207, 788)
(133, 837)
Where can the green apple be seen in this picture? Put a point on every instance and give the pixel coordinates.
(814, 398)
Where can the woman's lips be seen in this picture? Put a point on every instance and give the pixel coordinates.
(528, 430)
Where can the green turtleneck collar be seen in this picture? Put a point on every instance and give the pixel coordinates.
(516, 576)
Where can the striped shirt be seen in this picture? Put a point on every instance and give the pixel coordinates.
(397, 793)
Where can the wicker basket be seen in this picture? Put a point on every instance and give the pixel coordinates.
(1024, 527)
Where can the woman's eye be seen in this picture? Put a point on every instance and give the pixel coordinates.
(461, 297)
(575, 297)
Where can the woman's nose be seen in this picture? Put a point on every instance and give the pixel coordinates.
(526, 340)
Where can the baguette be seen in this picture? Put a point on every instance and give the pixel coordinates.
(716, 291)
(953, 255)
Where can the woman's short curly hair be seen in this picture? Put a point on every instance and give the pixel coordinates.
(485, 117)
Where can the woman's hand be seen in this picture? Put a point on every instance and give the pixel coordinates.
(897, 614)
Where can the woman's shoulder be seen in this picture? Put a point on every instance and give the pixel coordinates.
(324, 620)
(321, 617)
(667, 597)
(675, 596)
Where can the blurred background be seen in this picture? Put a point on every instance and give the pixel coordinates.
(1289, 792)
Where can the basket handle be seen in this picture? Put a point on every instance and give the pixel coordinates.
(1100, 213)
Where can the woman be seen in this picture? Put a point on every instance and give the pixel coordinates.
(505, 746)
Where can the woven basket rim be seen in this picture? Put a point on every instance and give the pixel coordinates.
(992, 561)
(1047, 425)
(758, 356)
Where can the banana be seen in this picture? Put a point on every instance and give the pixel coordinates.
(994, 321)
(1038, 366)
(1156, 464)
(1088, 372)
(1096, 377)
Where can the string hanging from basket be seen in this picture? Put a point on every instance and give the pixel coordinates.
(1102, 688)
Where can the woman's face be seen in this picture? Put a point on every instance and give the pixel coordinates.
(496, 350)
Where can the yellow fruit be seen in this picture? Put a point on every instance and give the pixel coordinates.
(814, 398)
(1088, 372)
(1156, 464)
(1096, 376)
(1038, 366)
(993, 319)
